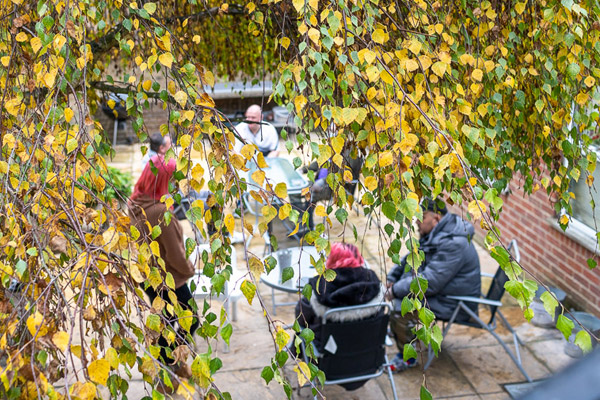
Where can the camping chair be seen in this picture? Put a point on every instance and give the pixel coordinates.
(492, 300)
(354, 351)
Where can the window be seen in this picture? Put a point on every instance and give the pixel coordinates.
(582, 209)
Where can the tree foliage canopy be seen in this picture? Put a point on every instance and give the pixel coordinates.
(448, 99)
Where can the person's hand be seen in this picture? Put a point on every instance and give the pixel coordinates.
(389, 293)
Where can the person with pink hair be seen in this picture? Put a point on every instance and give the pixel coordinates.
(146, 208)
(354, 284)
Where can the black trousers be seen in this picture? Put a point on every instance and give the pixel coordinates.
(183, 297)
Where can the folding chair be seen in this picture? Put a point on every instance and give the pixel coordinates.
(354, 351)
(492, 300)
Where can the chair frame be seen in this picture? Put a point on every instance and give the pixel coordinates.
(491, 325)
(385, 367)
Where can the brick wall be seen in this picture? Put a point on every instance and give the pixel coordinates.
(155, 116)
(548, 253)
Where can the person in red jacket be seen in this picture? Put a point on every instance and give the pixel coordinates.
(145, 207)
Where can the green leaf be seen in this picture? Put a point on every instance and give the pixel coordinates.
(153, 322)
(565, 325)
(287, 274)
(568, 4)
(583, 340)
(71, 145)
(425, 395)
(409, 352)
(573, 70)
(550, 303)
(409, 207)
(156, 231)
(226, 332)
(406, 306)
(426, 316)
(267, 374)
(389, 210)
(249, 290)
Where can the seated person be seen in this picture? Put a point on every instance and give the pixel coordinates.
(255, 131)
(451, 267)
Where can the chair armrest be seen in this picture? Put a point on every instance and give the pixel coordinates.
(470, 299)
(487, 275)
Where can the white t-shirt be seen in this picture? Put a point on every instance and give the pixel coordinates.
(266, 139)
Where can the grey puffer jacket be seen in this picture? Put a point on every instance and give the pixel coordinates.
(451, 267)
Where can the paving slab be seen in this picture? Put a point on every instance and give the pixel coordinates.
(551, 353)
(247, 384)
(443, 377)
(487, 367)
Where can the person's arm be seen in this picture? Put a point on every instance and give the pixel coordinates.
(270, 139)
(440, 269)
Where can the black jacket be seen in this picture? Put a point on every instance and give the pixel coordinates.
(451, 267)
(351, 286)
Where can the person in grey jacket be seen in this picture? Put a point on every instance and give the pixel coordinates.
(451, 267)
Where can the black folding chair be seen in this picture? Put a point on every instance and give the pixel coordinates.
(354, 351)
(492, 300)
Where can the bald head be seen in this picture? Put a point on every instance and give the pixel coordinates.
(254, 114)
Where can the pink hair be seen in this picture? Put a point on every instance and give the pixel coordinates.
(157, 185)
(344, 255)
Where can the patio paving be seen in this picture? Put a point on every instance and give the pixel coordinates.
(471, 364)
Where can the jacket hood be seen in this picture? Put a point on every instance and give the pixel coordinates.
(351, 286)
(450, 225)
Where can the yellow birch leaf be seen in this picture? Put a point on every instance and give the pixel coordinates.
(314, 35)
(477, 74)
(61, 340)
(229, 223)
(58, 42)
(150, 8)
(5, 60)
(209, 78)
(248, 151)
(68, 114)
(155, 248)
(379, 36)
(36, 326)
(303, 373)
(36, 44)
(564, 219)
(268, 212)
(300, 102)
(196, 39)
(281, 190)
(386, 77)
(320, 211)
(166, 59)
(415, 46)
(474, 209)
(348, 175)
(260, 158)
(299, 6)
(284, 211)
(520, 7)
(337, 143)
(411, 65)
(314, 4)
(371, 183)
(439, 68)
(147, 84)
(386, 159)
(408, 143)
(589, 81)
(181, 98)
(21, 37)
(98, 371)
(284, 42)
(439, 28)
(258, 176)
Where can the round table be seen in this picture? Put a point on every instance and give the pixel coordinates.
(298, 258)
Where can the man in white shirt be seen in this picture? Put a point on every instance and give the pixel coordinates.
(255, 131)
